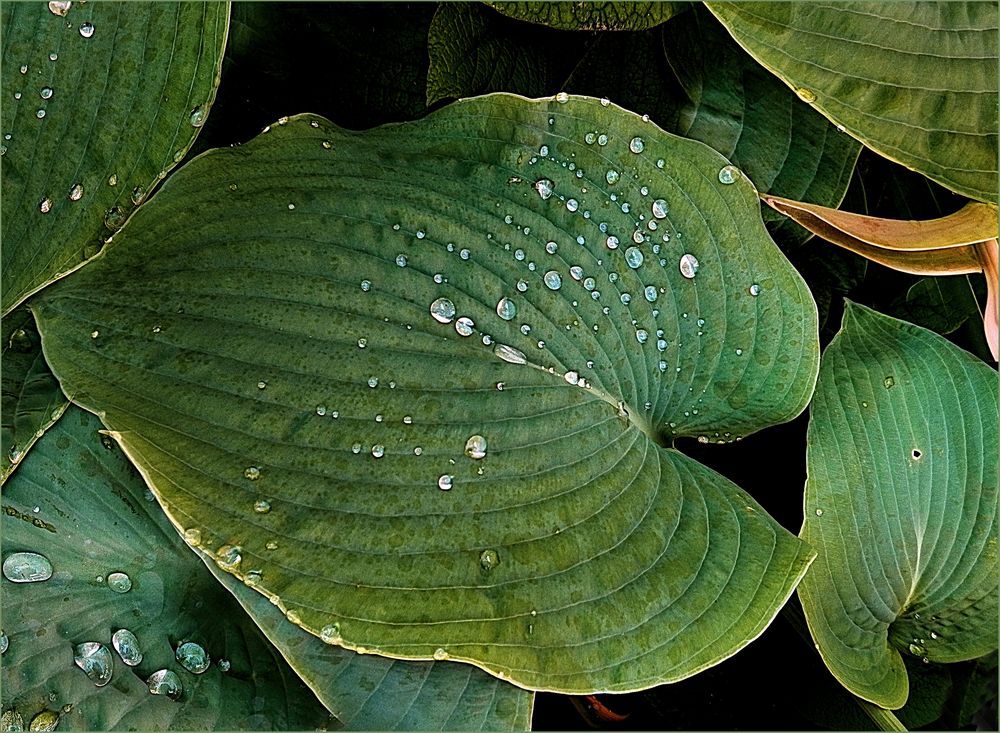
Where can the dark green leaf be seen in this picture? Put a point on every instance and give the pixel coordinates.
(901, 502)
(267, 336)
(77, 501)
(32, 400)
(592, 16)
(104, 102)
(914, 81)
(941, 304)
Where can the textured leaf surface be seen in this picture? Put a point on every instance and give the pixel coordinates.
(77, 501)
(31, 396)
(106, 91)
(264, 334)
(473, 50)
(368, 692)
(901, 504)
(914, 81)
(941, 304)
(592, 16)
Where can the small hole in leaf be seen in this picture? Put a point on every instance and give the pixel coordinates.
(916, 454)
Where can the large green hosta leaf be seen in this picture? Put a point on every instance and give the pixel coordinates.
(915, 81)
(901, 504)
(260, 340)
(100, 101)
(77, 501)
(367, 692)
(592, 16)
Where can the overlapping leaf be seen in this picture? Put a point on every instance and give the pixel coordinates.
(77, 501)
(415, 383)
(32, 400)
(593, 16)
(901, 504)
(914, 81)
(100, 102)
(368, 692)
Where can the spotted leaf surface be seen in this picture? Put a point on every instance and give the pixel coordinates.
(32, 400)
(368, 692)
(422, 381)
(914, 81)
(117, 564)
(901, 504)
(101, 100)
(592, 16)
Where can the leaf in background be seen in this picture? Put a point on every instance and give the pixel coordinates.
(914, 81)
(901, 503)
(474, 50)
(105, 99)
(592, 16)
(941, 304)
(32, 400)
(402, 375)
(378, 52)
(367, 692)
(77, 501)
(960, 243)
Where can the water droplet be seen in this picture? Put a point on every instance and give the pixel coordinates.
(95, 660)
(489, 559)
(119, 582)
(544, 188)
(373, 382)
(636, 145)
(475, 447)
(261, 506)
(11, 720)
(739, 352)
(551, 247)
(192, 536)
(76, 193)
(572, 205)
(506, 308)
(445, 482)
(638, 237)
(193, 657)
(45, 721)
(464, 326)
(60, 8)
(26, 567)
(590, 138)
(819, 512)
(806, 95)
(53, 56)
(443, 310)
(46, 93)
(625, 298)
(366, 285)
(197, 117)
(572, 377)
(127, 646)
(420, 234)
(641, 335)
(728, 174)
(755, 290)
(330, 633)
(87, 29)
(252, 472)
(612, 177)
(228, 557)
(544, 150)
(552, 280)
(4, 643)
(633, 257)
(45, 205)
(138, 194)
(689, 266)
(889, 382)
(510, 354)
(378, 450)
(650, 293)
(602, 139)
(401, 260)
(660, 209)
(165, 682)
(916, 649)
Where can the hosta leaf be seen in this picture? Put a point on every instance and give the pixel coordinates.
(105, 99)
(473, 50)
(78, 502)
(266, 353)
(901, 503)
(941, 304)
(32, 400)
(914, 81)
(592, 16)
(368, 692)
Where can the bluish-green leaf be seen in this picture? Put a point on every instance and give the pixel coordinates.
(901, 504)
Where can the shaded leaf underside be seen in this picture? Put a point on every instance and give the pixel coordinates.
(901, 503)
(81, 113)
(592, 16)
(261, 333)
